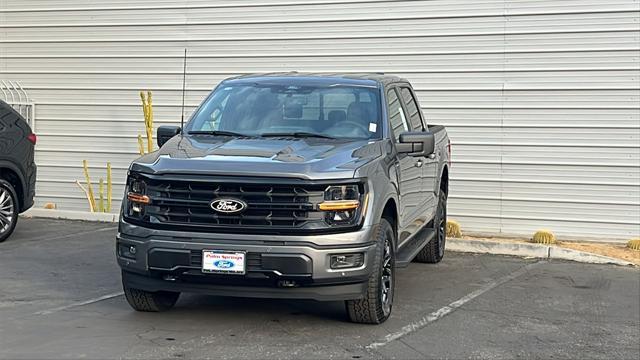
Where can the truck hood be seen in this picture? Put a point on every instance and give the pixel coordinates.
(306, 158)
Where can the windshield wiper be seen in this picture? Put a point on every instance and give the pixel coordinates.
(216, 132)
(297, 134)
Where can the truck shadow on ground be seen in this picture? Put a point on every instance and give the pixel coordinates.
(220, 307)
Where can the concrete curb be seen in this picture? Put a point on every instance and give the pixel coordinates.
(457, 245)
(529, 250)
(71, 215)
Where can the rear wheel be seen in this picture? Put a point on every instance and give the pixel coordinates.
(375, 307)
(8, 209)
(147, 301)
(433, 252)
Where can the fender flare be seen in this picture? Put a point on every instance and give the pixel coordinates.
(442, 171)
(4, 164)
(379, 208)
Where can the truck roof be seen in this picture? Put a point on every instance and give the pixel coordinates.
(359, 79)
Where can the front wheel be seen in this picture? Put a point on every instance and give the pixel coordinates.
(147, 301)
(375, 307)
(433, 252)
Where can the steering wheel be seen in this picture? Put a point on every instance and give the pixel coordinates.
(360, 129)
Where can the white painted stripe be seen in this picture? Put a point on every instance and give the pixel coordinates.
(444, 311)
(79, 303)
(54, 215)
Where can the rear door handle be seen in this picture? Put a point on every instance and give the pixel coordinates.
(418, 163)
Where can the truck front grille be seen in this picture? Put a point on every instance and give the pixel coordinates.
(271, 207)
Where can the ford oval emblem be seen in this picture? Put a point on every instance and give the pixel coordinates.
(223, 264)
(228, 206)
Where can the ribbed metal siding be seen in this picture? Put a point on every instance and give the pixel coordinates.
(541, 98)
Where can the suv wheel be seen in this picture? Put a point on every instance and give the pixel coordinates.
(8, 209)
(433, 252)
(376, 306)
(147, 301)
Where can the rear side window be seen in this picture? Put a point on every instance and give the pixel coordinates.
(412, 108)
(397, 118)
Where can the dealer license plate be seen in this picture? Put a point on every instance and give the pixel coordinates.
(223, 262)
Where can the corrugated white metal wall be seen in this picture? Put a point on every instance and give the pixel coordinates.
(541, 97)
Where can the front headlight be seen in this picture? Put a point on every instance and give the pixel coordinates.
(137, 197)
(342, 204)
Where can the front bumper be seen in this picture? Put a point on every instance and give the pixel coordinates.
(285, 266)
(318, 293)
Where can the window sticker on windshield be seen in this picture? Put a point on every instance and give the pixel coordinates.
(373, 127)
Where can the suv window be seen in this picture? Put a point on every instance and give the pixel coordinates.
(412, 108)
(397, 117)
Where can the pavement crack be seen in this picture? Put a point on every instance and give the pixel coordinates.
(424, 356)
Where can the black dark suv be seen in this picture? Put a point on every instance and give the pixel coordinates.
(17, 168)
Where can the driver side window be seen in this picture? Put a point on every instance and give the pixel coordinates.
(397, 117)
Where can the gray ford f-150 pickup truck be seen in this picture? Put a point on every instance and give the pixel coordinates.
(298, 186)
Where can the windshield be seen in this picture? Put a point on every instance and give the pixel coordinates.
(263, 109)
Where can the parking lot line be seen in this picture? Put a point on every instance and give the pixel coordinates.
(79, 303)
(49, 237)
(75, 234)
(444, 311)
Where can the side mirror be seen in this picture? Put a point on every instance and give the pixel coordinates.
(165, 133)
(416, 143)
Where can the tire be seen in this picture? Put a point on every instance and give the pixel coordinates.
(147, 301)
(433, 252)
(8, 209)
(375, 307)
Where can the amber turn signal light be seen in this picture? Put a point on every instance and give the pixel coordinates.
(137, 198)
(339, 205)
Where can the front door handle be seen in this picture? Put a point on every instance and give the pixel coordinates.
(418, 163)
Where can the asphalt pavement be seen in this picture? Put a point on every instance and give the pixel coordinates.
(61, 298)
